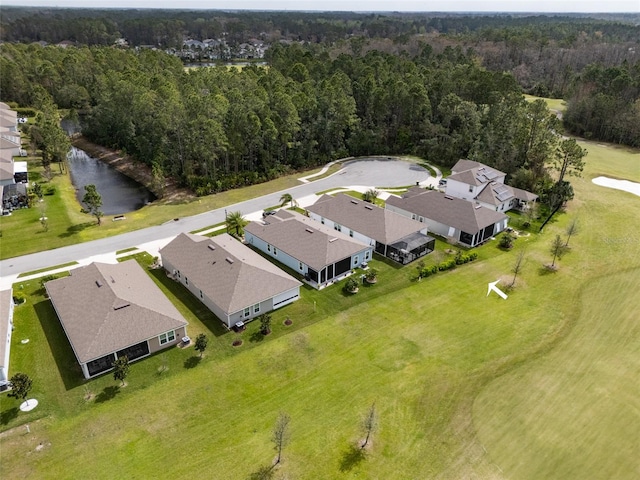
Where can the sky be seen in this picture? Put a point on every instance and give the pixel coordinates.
(612, 6)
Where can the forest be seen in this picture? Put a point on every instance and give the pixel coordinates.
(440, 96)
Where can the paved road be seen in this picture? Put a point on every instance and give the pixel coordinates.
(364, 172)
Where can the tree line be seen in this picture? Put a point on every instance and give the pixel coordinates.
(217, 128)
(573, 57)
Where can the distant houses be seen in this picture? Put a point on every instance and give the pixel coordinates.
(391, 235)
(108, 311)
(321, 254)
(233, 281)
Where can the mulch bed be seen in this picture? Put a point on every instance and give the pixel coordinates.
(237, 343)
(288, 322)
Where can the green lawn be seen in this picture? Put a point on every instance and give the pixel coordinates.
(457, 377)
(555, 104)
(22, 232)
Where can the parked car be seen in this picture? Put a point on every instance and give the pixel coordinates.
(266, 213)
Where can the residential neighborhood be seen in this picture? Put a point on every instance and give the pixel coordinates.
(271, 245)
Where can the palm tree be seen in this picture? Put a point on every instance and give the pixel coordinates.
(288, 198)
(235, 221)
(370, 195)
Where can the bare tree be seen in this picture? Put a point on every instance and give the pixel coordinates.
(369, 424)
(517, 266)
(557, 249)
(281, 434)
(572, 229)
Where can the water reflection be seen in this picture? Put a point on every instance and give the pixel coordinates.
(120, 194)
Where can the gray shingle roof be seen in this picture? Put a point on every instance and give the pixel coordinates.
(229, 273)
(104, 308)
(454, 212)
(378, 223)
(524, 195)
(305, 239)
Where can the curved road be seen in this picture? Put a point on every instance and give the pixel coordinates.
(368, 172)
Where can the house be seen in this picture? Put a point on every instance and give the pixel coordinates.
(477, 182)
(392, 235)
(108, 311)
(233, 281)
(9, 148)
(464, 222)
(6, 328)
(319, 253)
(6, 171)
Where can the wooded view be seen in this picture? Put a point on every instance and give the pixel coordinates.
(335, 85)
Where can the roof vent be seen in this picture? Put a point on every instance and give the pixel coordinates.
(98, 283)
(448, 197)
(211, 246)
(112, 279)
(308, 230)
(478, 206)
(331, 240)
(120, 305)
(368, 207)
(229, 260)
(354, 202)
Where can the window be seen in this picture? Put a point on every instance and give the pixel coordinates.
(421, 219)
(351, 233)
(167, 337)
(322, 220)
(247, 312)
(337, 227)
(300, 265)
(268, 248)
(356, 259)
(470, 188)
(366, 255)
(201, 294)
(275, 251)
(256, 308)
(413, 216)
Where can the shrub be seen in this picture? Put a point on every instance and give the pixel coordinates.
(351, 286)
(446, 265)
(506, 241)
(19, 298)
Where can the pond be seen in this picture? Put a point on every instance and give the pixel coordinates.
(120, 194)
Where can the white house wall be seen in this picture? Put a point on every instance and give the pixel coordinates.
(295, 264)
(4, 369)
(344, 229)
(461, 190)
(282, 257)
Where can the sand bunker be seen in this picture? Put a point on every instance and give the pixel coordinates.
(626, 185)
